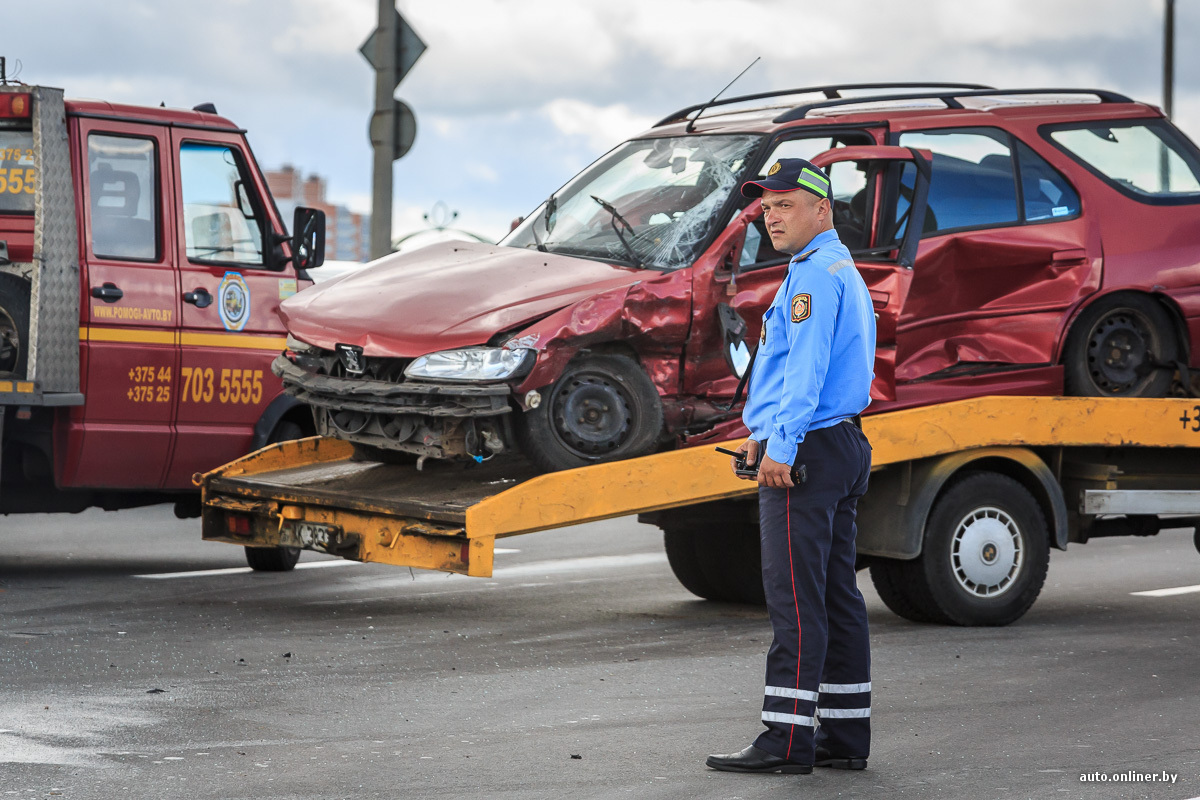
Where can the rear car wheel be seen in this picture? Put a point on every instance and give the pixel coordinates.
(1115, 347)
(603, 408)
(14, 325)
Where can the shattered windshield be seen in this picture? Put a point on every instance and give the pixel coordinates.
(650, 202)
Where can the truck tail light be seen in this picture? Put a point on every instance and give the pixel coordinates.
(13, 105)
(238, 524)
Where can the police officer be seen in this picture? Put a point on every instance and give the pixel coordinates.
(811, 377)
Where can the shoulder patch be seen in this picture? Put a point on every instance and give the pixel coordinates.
(801, 307)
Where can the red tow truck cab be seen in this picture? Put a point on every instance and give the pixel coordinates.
(142, 264)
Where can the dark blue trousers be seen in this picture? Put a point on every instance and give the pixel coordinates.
(818, 688)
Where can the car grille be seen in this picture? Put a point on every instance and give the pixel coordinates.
(374, 368)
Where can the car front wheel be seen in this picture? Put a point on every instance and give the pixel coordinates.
(603, 408)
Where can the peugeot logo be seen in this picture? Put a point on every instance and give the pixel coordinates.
(351, 357)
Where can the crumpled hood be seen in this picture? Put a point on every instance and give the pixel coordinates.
(448, 295)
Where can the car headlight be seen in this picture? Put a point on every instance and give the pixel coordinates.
(471, 364)
(297, 346)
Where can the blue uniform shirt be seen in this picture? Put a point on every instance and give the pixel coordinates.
(815, 356)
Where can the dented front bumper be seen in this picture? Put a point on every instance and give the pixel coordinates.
(423, 418)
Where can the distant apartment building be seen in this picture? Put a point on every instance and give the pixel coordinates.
(347, 234)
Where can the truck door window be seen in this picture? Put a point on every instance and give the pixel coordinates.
(221, 223)
(17, 171)
(123, 197)
(850, 213)
(973, 183)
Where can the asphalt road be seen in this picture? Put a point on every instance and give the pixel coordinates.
(581, 670)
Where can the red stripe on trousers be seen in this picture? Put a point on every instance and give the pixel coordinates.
(796, 600)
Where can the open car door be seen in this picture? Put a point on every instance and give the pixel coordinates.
(866, 191)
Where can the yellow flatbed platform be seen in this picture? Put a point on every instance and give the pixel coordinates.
(313, 494)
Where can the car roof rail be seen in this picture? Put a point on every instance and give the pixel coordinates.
(832, 92)
(949, 98)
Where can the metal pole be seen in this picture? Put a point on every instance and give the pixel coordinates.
(384, 141)
(1169, 59)
(1164, 156)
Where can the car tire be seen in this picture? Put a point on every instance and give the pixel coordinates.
(1113, 347)
(721, 563)
(602, 408)
(14, 325)
(986, 551)
(272, 559)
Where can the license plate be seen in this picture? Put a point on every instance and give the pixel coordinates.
(312, 535)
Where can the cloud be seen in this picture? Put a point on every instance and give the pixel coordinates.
(603, 127)
(483, 172)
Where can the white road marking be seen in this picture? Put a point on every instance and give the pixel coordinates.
(201, 573)
(500, 551)
(1168, 593)
(535, 568)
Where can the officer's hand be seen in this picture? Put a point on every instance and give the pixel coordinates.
(772, 473)
(750, 448)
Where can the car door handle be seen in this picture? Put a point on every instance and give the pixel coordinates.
(1069, 258)
(199, 298)
(109, 292)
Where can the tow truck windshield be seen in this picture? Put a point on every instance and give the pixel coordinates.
(669, 191)
(17, 171)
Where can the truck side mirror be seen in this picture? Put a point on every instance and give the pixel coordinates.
(308, 238)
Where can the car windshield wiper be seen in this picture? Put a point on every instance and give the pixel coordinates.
(537, 240)
(616, 217)
(551, 205)
(548, 214)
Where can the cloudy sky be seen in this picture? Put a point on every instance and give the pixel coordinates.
(513, 97)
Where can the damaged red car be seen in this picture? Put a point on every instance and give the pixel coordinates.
(1013, 241)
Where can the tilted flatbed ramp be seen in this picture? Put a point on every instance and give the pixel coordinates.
(312, 494)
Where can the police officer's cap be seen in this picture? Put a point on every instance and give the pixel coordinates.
(788, 175)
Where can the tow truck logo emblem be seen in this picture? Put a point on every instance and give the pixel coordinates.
(351, 357)
(233, 301)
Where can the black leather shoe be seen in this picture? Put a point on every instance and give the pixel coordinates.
(753, 759)
(824, 758)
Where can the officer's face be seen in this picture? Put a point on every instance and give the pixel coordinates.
(794, 218)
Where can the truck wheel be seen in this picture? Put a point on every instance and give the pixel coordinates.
(986, 551)
(285, 431)
(14, 325)
(1114, 345)
(603, 408)
(681, 555)
(903, 592)
(722, 563)
(276, 559)
(272, 559)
